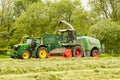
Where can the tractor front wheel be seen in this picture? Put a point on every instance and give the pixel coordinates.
(77, 51)
(25, 54)
(95, 53)
(42, 52)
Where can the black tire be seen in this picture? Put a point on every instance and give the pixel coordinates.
(77, 51)
(42, 52)
(25, 54)
(95, 53)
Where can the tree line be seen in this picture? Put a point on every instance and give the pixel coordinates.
(36, 17)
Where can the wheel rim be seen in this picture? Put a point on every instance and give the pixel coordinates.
(78, 52)
(42, 53)
(25, 55)
(95, 54)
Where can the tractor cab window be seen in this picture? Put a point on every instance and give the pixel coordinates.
(36, 41)
(28, 41)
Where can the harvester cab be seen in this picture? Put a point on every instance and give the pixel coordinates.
(29, 47)
(67, 36)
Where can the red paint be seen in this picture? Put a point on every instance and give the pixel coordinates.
(67, 53)
(78, 52)
(95, 54)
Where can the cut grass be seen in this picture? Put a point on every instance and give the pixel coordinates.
(87, 68)
(109, 55)
(4, 56)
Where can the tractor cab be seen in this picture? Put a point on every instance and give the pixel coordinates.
(31, 41)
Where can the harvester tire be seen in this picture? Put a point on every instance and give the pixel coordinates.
(25, 54)
(95, 53)
(42, 52)
(77, 51)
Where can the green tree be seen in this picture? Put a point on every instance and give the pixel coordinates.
(81, 21)
(33, 21)
(38, 17)
(7, 15)
(21, 5)
(101, 9)
(6, 21)
(71, 11)
(108, 32)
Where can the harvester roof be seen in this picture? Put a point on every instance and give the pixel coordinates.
(64, 30)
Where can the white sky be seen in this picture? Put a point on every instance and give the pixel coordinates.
(85, 4)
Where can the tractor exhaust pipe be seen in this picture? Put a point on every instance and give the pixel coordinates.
(68, 24)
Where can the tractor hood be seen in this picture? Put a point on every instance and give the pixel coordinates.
(21, 46)
(17, 49)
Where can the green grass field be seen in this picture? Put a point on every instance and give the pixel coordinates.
(86, 68)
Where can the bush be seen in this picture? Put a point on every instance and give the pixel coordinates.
(108, 33)
(3, 52)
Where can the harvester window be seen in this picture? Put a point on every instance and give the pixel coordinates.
(66, 37)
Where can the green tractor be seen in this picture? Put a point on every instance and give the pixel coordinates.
(67, 43)
(30, 47)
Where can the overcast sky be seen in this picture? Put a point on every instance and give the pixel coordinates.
(84, 3)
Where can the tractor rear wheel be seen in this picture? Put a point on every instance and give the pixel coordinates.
(95, 53)
(25, 54)
(42, 52)
(77, 51)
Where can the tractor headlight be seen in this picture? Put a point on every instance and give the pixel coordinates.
(16, 47)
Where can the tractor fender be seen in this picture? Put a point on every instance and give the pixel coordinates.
(89, 52)
(40, 46)
(93, 49)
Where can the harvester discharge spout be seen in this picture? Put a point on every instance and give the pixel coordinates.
(68, 24)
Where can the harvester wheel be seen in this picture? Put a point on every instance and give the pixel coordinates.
(42, 52)
(77, 51)
(95, 53)
(25, 54)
